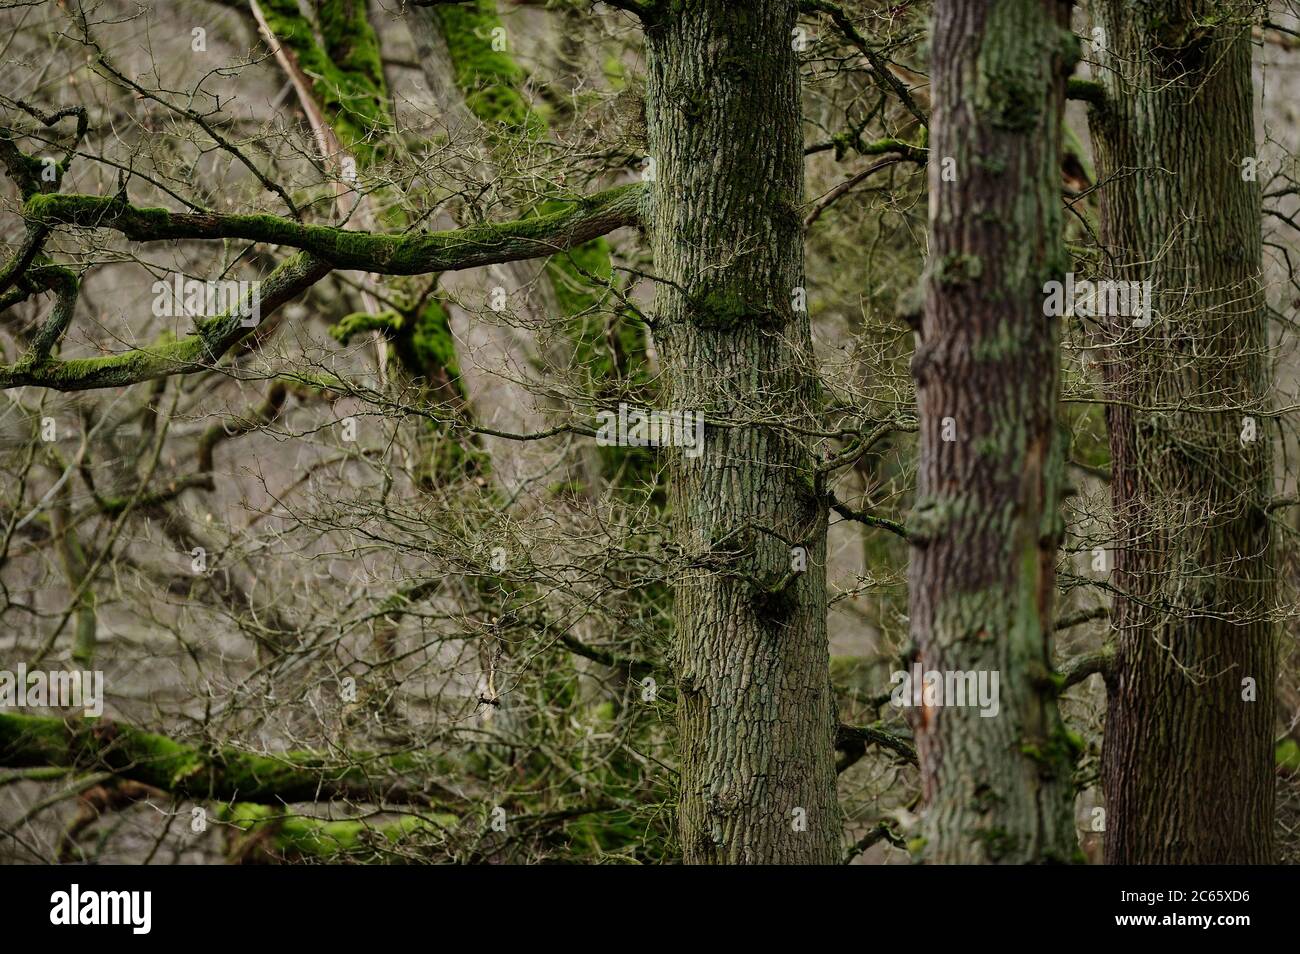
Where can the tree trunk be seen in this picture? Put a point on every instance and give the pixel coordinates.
(755, 712)
(986, 524)
(1188, 765)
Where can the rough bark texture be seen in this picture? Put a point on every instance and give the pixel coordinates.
(1187, 767)
(986, 523)
(755, 711)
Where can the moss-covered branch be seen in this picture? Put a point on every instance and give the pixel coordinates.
(492, 83)
(225, 774)
(261, 833)
(488, 76)
(580, 220)
(888, 145)
(212, 339)
(63, 282)
(861, 516)
(344, 68)
(1089, 91)
(30, 173)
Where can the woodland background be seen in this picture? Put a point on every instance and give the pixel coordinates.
(434, 621)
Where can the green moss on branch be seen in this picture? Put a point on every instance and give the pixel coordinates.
(580, 220)
(225, 773)
(345, 70)
(212, 339)
(1089, 91)
(489, 78)
(262, 832)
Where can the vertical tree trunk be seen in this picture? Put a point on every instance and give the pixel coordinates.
(756, 717)
(986, 524)
(1187, 767)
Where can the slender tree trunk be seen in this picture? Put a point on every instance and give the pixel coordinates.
(986, 524)
(755, 711)
(1188, 765)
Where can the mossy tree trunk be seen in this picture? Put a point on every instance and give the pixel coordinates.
(755, 712)
(986, 525)
(1188, 760)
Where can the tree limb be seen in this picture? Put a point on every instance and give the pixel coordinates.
(853, 740)
(1082, 616)
(861, 516)
(225, 774)
(214, 337)
(1081, 667)
(416, 254)
(883, 76)
(1089, 91)
(882, 832)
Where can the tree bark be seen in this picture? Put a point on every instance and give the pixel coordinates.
(755, 714)
(1188, 760)
(986, 525)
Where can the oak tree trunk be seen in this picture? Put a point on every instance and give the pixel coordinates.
(986, 525)
(1187, 766)
(755, 713)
